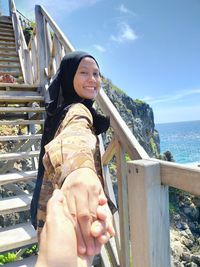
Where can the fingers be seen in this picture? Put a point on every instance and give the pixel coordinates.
(85, 222)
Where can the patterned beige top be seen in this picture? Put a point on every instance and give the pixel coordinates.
(74, 146)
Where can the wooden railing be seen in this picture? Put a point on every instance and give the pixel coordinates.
(142, 182)
(21, 46)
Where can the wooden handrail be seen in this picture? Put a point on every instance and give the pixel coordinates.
(21, 45)
(64, 41)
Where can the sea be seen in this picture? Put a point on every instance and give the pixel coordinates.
(182, 139)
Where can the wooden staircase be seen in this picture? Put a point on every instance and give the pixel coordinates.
(9, 59)
(22, 117)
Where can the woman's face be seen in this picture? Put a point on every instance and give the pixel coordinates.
(87, 79)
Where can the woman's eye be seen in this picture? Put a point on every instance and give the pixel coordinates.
(96, 74)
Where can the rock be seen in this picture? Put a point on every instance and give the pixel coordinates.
(196, 259)
(186, 256)
(187, 242)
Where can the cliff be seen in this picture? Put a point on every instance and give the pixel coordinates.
(138, 115)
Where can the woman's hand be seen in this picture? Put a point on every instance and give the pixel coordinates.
(82, 189)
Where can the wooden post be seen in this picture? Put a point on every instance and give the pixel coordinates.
(40, 47)
(123, 206)
(149, 215)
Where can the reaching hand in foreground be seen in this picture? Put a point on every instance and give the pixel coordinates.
(58, 246)
(82, 189)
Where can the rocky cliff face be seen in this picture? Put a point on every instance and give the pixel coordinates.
(139, 118)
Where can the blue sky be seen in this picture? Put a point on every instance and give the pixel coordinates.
(149, 49)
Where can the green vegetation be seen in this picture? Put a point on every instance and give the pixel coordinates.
(117, 89)
(138, 101)
(154, 147)
(7, 257)
(12, 256)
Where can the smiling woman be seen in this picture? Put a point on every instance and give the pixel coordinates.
(70, 156)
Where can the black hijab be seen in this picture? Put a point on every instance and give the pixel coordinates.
(62, 92)
(61, 95)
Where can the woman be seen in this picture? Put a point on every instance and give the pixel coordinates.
(70, 157)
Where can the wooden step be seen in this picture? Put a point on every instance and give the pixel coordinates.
(5, 138)
(5, 48)
(10, 65)
(7, 24)
(21, 122)
(17, 177)
(27, 262)
(5, 21)
(11, 72)
(17, 236)
(10, 30)
(19, 155)
(8, 55)
(7, 34)
(7, 38)
(21, 109)
(15, 204)
(9, 59)
(6, 44)
(18, 93)
(20, 99)
(17, 87)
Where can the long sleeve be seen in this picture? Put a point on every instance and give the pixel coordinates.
(73, 147)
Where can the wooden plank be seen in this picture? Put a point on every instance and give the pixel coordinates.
(7, 44)
(13, 73)
(14, 65)
(10, 30)
(21, 99)
(20, 137)
(20, 155)
(21, 122)
(17, 236)
(113, 246)
(27, 262)
(17, 177)
(123, 133)
(7, 58)
(6, 48)
(5, 25)
(19, 93)
(9, 39)
(40, 31)
(16, 86)
(6, 34)
(15, 204)
(109, 153)
(181, 176)
(123, 205)
(14, 55)
(21, 109)
(149, 215)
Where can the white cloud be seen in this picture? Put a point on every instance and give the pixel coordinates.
(126, 33)
(99, 48)
(170, 98)
(123, 9)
